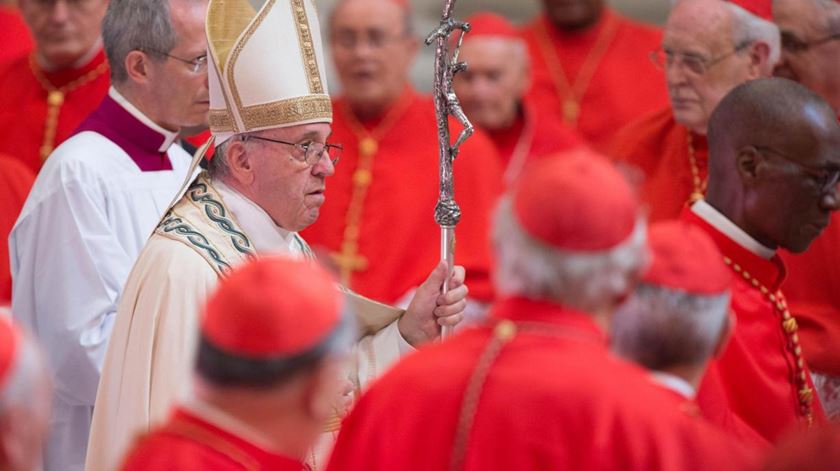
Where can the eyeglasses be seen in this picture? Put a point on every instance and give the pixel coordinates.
(791, 43)
(312, 151)
(664, 59)
(826, 178)
(197, 65)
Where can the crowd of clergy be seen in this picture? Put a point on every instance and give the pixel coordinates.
(211, 262)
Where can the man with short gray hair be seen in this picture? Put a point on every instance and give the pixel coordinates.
(98, 198)
(709, 47)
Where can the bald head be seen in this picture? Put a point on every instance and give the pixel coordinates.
(774, 155)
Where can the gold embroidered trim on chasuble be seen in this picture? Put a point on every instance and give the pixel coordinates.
(202, 222)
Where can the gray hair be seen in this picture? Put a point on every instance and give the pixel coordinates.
(660, 328)
(749, 28)
(585, 281)
(217, 166)
(131, 25)
(831, 12)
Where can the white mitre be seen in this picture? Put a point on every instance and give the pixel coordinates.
(266, 66)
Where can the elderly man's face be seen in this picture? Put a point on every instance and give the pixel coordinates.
(809, 56)
(181, 92)
(791, 203)
(286, 187)
(64, 30)
(573, 14)
(492, 87)
(702, 64)
(371, 49)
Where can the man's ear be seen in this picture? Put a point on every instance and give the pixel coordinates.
(748, 163)
(240, 163)
(137, 66)
(760, 66)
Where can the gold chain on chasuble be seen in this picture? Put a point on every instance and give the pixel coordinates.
(571, 93)
(348, 259)
(698, 185)
(805, 394)
(55, 99)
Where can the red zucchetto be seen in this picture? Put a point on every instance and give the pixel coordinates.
(272, 307)
(576, 201)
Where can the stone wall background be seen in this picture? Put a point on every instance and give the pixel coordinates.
(427, 15)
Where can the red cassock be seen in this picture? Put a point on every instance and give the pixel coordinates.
(668, 156)
(15, 182)
(813, 291)
(24, 119)
(530, 137)
(379, 209)
(759, 376)
(553, 398)
(187, 442)
(17, 41)
(599, 79)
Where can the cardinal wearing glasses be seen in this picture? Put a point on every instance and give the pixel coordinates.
(49, 91)
(772, 186)
(810, 46)
(708, 48)
(270, 115)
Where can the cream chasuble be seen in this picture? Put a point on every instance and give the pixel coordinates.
(150, 357)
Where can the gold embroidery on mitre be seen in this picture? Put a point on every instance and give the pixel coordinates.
(307, 47)
(226, 20)
(305, 108)
(220, 121)
(237, 50)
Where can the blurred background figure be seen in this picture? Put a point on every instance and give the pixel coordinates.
(590, 67)
(46, 95)
(25, 398)
(377, 220)
(492, 94)
(810, 52)
(274, 344)
(709, 47)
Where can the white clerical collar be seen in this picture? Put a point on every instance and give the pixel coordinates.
(720, 222)
(169, 136)
(228, 423)
(257, 224)
(674, 383)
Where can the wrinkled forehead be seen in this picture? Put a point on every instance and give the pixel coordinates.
(496, 50)
(364, 16)
(700, 27)
(318, 132)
